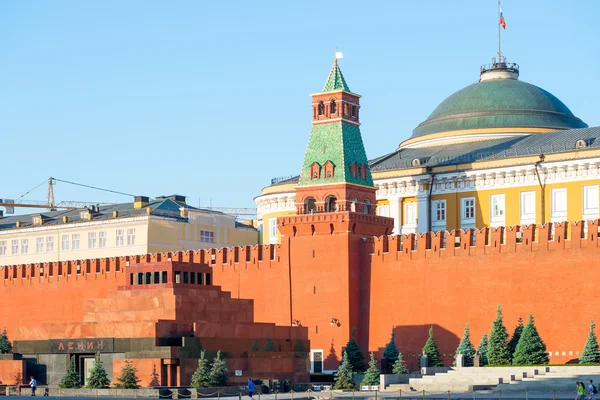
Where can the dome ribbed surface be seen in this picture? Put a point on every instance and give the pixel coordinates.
(499, 103)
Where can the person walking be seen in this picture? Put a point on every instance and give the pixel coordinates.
(593, 391)
(33, 384)
(251, 386)
(580, 392)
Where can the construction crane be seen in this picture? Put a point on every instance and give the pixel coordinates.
(235, 211)
(50, 203)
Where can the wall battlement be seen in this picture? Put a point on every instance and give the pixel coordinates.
(261, 255)
(456, 243)
(512, 239)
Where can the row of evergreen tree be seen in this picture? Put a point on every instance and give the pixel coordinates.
(98, 378)
(525, 347)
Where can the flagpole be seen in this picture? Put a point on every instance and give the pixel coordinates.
(499, 52)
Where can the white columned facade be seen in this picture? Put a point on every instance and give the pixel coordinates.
(396, 213)
(423, 211)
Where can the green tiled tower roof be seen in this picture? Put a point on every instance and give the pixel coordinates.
(335, 80)
(341, 144)
(338, 142)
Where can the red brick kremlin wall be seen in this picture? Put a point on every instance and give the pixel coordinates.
(403, 283)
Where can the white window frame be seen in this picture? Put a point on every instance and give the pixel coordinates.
(591, 202)
(102, 239)
(207, 236)
(3, 248)
(467, 222)
(15, 247)
(64, 240)
(410, 217)
(120, 237)
(527, 207)
(131, 237)
(24, 246)
(273, 237)
(497, 210)
(558, 211)
(383, 210)
(92, 243)
(39, 245)
(49, 244)
(75, 241)
(438, 219)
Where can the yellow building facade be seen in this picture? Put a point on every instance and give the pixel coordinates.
(500, 152)
(144, 226)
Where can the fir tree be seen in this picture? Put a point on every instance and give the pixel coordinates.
(254, 346)
(482, 349)
(390, 355)
(128, 378)
(201, 377)
(514, 340)
(355, 356)
(5, 344)
(590, 353)
(399, 367)
(498, 353)
(98, 377)
(343, 377)
(372, 374)
(466, 349)
(218, 372)
(434, 358)
(71, 379)
(269, 346)
(531, 349)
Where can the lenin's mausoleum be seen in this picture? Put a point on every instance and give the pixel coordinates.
(468, 214)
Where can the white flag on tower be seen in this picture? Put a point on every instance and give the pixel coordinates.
(338, 55)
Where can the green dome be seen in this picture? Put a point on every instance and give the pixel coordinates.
(499, 103)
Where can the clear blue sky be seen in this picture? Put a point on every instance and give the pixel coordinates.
(210, 99)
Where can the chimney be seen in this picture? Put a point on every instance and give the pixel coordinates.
(115, 214)
(140, 202)
(178, 198)
(1, 212)
(65, 219)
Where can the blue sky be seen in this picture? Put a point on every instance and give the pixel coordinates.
(211, 99)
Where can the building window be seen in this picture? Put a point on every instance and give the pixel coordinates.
(130, 237)
(410, 214)
(321, 108)
(439, 210)
(497, 209)
(120, 237)
(91, 240)
(3, 248)
(467, 212)
(383, 211)
(207, 236)
(102, 239)
(15, 247)
(333, 106)
(367, 207)
(591, 208)
(273, 230)
(527, 208)
(24, 246)
(559, 205)
(39, 245)
(64, 243)
(49, 244)
(75, 241)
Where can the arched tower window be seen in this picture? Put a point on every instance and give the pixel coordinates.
(333, 106)
(354, 111)
(331, 204)
(310, 206)
(353, 204)
(321, 108)
(367, 209)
